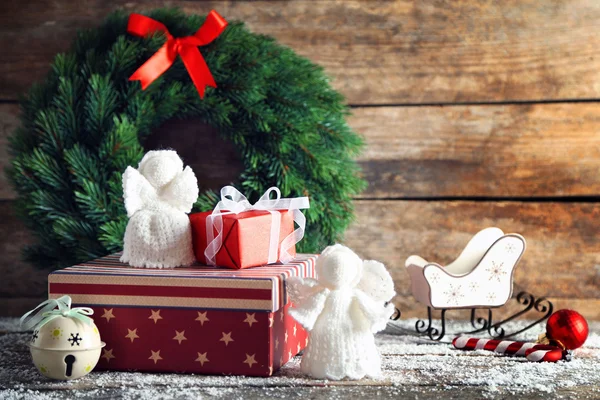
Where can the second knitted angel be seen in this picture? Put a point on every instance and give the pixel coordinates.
(158, 195)
(341, 311)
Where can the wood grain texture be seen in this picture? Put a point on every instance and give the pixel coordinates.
(562, 259)
(378, 52)
(484, 151)
(9, 121)
(18, 278)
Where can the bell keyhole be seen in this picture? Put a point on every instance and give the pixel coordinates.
(69, 360)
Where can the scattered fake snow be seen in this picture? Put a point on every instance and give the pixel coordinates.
(408, 361)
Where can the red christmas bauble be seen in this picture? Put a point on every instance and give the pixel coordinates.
(567, 327)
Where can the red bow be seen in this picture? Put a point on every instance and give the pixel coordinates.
(186, 47)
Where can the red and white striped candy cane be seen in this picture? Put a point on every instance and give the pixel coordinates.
(533, 351)
(498, 346)
(544, 352)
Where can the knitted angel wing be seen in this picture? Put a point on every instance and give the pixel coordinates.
(182, 192)
(375, 289)
(376, 281)
(308, 298)
(138, 193)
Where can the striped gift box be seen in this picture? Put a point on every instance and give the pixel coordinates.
(106, 281)
(230, 321)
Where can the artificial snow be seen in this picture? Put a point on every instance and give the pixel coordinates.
(409, 362)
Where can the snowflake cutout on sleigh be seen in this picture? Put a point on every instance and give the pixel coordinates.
(454, 294)
(491, 297)
(434, 277)
(35, 335)
(510, 248)
(75, 339)
(496, 271)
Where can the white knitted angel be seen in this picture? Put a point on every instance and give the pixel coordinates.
(342, 310)
(158, 195)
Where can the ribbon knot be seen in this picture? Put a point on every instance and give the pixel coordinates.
(177, 46)
(186, 47)
(234, 202)
(46, 312)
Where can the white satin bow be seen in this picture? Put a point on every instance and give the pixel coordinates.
(235, 202)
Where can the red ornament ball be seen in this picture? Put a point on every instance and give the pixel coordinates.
(567, 327)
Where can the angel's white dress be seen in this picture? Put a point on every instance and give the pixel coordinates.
(341, 323)
(341, 343)
(158, 196)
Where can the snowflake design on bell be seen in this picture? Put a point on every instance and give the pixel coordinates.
(56, 333)
(491, 297)
(496, 271)
(75, 339)
(454, 294)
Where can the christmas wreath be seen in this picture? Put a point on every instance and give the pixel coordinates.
(88, 121)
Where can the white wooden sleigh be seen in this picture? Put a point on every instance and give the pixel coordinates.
(480, 278)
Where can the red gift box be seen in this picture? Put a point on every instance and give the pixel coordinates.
(199, 319)
(246, 237)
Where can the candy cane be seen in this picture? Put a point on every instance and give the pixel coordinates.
(533, 351)
(543, 352)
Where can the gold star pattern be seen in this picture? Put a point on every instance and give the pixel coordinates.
(295, 328)
(179, 336)
(250, 360)
(155, 356)
(88, 368)
(155, 316)
(132, 334)
(108, 314)
(250, 319)
(226, 338)
(281, 361)
(306, 342)
(202, 358)
(271, 319)
(285, 337)
(290, 355)
(108, 354)
(276, 343)
(298, 348)
(270, 370)
(202, 318)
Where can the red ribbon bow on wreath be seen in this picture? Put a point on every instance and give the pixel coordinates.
(186, 47)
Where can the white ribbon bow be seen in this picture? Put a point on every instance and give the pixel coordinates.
(47, 313)
(235, 202)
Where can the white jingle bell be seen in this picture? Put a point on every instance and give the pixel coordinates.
(65, 343)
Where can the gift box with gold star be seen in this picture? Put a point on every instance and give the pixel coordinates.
(199, 319)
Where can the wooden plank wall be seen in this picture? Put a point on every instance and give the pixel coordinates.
(476, 113)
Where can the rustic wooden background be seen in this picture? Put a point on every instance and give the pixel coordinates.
(476, 113)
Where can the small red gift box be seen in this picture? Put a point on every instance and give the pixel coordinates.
(237, 234)
(246, 238)
(198, 319)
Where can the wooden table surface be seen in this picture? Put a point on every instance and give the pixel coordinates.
(414, 368)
